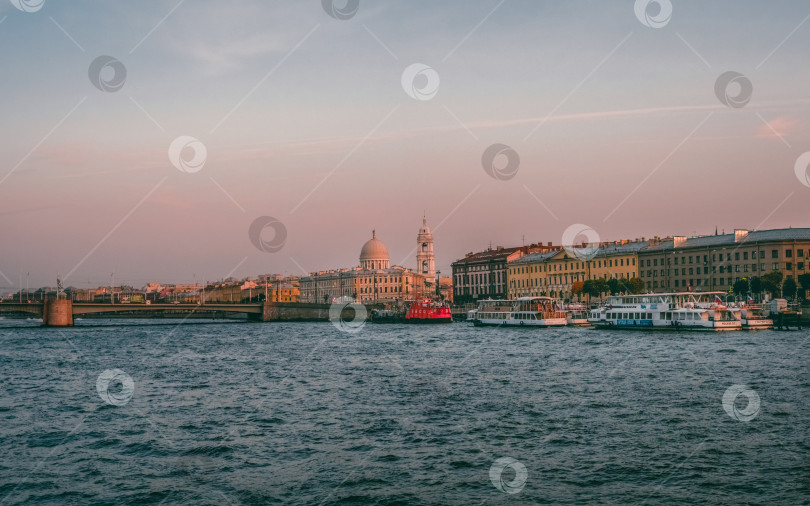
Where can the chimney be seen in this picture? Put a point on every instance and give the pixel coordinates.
(679, 241)
(740, 235)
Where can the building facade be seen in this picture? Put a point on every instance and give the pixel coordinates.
(373, 281)
(715, 262)
(483, 275)
(554, 273)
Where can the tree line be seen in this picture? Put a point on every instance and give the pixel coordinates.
(772, 283)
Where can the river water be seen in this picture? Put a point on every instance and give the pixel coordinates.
(304, 413)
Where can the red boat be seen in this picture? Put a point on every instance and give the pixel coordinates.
(428, 311)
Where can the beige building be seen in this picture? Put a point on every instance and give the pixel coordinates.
(554, 273)
(715, 262)
(373, 281)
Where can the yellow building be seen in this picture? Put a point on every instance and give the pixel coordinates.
(554, 273)
(284, 294)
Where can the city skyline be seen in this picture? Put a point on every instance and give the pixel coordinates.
(305, 118)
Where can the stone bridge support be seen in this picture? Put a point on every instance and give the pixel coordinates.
(292, 312)
(57, 313)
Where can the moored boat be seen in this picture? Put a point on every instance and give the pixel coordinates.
(426, 310)
(525, 311)
(666, 311)
(752, 317)
(576, 315)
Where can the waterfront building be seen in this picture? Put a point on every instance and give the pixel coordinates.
(715, 262)
(554, 273)
(284, 293)
(375, 280)
(617, 260)
(223, 293)
(482, 275)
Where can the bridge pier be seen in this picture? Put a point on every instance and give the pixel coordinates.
(57, 313)
(286, 311)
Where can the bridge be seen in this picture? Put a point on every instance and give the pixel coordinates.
(60, 313)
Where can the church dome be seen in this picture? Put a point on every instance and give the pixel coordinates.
(374, 254)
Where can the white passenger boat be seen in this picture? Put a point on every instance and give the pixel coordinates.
(525, 311)
(752, 316)
(666, 311)
(576, 315)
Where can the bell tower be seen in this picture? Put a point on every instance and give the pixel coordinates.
(425, 261)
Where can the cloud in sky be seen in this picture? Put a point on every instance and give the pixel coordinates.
(779, 127)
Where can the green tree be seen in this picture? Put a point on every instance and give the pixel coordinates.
(614, 286)
(789, 288)
(771, 282)
(601, 286)
(804, 281)
(634, 285)
(741, 287)
(589, 288)
(756, 285)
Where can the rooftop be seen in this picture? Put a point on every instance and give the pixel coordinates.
(708, 241)
(499, 253)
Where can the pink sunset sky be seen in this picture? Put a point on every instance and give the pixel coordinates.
(304, 118)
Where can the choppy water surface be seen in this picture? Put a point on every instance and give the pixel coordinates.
(236, 413)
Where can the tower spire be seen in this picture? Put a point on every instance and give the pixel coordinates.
(425, 260)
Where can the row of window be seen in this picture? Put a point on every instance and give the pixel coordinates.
(556, 280)
(574, 266)
(737, 256)
(649, 316)
(484, 267)
(722, 269)
(384, 289)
